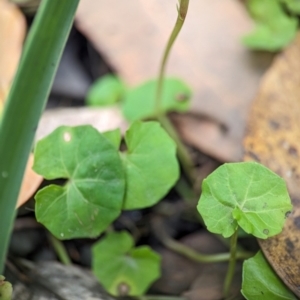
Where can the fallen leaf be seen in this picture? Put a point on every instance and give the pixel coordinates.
(272, 138)
(103, 119)
(12, 33)
(208, 56)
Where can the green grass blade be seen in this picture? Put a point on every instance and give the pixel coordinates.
(26, 101)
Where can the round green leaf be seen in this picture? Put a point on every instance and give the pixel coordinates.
(105, 91)
(139, 102)
(275, 28)
(122, 269)
(245, 194)
(260, 281)
(93, 195)
(151, 165)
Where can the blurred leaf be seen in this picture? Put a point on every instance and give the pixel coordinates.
(260, 281)
(105, 91)
(92, 198)
(139, 102)
(114, 136)
(6, 290)
(245, 194)
(151, 165)
(122, 269)
(274, 29)
(292, 5)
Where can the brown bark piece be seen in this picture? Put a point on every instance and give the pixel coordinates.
(208, 55)
(273, 135)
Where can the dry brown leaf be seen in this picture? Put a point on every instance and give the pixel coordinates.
(273, 139)
(30, 184)
(12, 33)
(208, 54)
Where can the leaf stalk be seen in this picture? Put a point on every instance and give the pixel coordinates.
(231, 266)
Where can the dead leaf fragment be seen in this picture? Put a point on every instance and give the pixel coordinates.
(30, 184)
(273, 139)
(12, 33)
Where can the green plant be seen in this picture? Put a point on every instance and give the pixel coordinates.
(247, 195)
(101, 182)
(276, 23)
(131, 270)
(107, 90)
(260, 282)
(26, 101)
(136, 178)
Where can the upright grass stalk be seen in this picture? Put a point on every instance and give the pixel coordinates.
(26, 101)
(183, 154)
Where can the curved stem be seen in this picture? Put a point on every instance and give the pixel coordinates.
(26, 101)
(231, 266)
(183, 155)
(182, 12)
(190, 253)
(60, 250)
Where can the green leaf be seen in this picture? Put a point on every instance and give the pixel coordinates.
(151, 165)
(114, 136)
(105, 91)
(292, 5)
(6, 290)
(275, 29)
(93, 196)
(261, 282)
(139, 102)
(245, 194)
(122, 269)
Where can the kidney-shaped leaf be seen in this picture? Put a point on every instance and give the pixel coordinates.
(245, 194)
(151, 165)
(139, 102)
(105, 91)
(93, 195)
(122, 269)
(260, 281)
(275, 29)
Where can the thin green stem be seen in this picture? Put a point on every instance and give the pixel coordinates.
(26, 101)
(182, 12)
(183, 155)
(170, 243)
(60, 250)
(183, 188)
(231, 266)
(203, 258)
